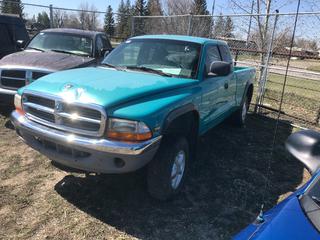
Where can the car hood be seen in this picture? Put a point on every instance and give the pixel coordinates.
(286, 221)
(49, 61)
(105, 86)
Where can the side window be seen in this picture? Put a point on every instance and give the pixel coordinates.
(212, 55)
(99, 46)
(106, 42)
(125, 54)
(5, 41)
(225, 54)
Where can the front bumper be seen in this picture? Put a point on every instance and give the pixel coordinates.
(84, 153)
(7, 96)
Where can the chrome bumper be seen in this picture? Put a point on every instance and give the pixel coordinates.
(21, 123)
(101, 155)
(7, 91)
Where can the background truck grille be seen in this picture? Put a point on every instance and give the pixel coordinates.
(15, 79)
(70, 117)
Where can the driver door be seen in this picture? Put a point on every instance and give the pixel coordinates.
(215, 89)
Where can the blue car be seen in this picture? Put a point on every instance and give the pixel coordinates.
(298, 216)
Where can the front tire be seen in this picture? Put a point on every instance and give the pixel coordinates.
(167, 171)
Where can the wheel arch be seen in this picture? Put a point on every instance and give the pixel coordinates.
(174, 118)
(184, 121)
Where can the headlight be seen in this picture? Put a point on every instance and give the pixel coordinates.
(18, 103)
(126, 130)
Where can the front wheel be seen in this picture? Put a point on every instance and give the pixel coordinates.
(167, 171)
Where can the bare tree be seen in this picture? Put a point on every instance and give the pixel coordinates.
(88, 17)
(58, 18)
(72, 21)
(177, 25)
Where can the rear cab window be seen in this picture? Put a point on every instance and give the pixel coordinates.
(212, 55)
(225, 53)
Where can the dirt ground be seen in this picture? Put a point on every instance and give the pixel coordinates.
(223, 194)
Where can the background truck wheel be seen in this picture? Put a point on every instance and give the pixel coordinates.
(239, 117)
(167, 171)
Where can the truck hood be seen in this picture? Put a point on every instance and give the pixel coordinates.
(105, 86)
(50, 61)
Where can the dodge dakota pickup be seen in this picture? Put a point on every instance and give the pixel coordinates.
(50, 51)
(145, 106)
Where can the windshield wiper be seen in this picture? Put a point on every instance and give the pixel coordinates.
(67, 52)
(38, 49)
(151, 70)
(113, 66)
(60, 51)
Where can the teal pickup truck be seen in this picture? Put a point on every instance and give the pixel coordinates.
(145, 106)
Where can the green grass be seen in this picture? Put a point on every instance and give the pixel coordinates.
(315, 68)
(301, 98)
(305, 88)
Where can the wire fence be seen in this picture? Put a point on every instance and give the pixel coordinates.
(263, 42)
(258, 40)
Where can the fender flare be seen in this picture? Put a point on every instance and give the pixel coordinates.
(177, 113)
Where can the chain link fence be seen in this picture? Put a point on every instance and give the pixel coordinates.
(261, 41)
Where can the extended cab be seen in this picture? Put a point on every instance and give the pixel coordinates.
(50, 51)
(145, 105)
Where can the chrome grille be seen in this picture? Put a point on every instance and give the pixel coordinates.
(16, 78)
(52, 111)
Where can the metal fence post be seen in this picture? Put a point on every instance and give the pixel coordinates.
(318, 118)
(250, 23)
(51, 15)
(189, 24)
(132, 26)
(264, 74)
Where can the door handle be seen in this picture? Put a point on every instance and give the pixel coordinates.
(226, 86)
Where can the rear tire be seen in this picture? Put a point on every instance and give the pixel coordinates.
(240, 116)
(167, 171)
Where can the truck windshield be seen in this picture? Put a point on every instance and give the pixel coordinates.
(170, 57)
(61, 42)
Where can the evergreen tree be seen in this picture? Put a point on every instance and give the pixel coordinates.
(123, 20)
(12, 7)
(140, 8)
(200, 7)
(219, 26)
(109, 22)
(154, 8)
(200, 25)
(224, 27)
(229, 27)
(43, 19)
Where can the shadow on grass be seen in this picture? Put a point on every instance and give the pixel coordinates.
(223, 193)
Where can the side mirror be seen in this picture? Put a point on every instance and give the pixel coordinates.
(20, 44)
(104, 52)
(220, 68)
(305, 146)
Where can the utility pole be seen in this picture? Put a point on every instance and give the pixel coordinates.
(250, 22)
(212, 13)
(213, 6)
(51, 15)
